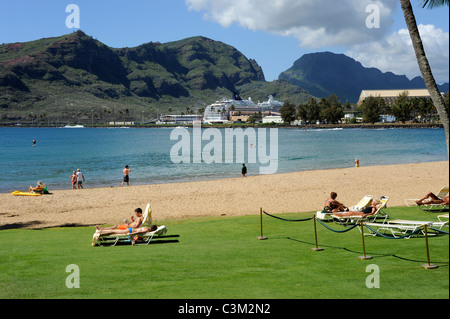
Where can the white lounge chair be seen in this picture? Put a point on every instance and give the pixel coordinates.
(403, 227)
(147, 237)
(443, 216)
(431, 207)
(115, 239)
(438, 225)
(363, 203)
(396, 230)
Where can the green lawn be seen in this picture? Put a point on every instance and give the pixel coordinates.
(221, 258)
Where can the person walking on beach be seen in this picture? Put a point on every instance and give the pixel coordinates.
(356, 162)
(73, 178)
(126, 176)
(243, 170)
(80, 179)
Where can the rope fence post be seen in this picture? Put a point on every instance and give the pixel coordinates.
(428, 265)
(364, 257)
(262, 237)
(315, 237)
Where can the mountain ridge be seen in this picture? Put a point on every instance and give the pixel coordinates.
(77, 77)
(325, 73)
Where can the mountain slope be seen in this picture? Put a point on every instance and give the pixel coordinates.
(77, 78)
(325, 73)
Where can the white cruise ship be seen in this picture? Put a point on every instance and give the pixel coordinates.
(219, 112)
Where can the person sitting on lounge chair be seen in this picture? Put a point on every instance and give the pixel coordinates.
(431, 198)
(38, 189)
(332, 205)
(134, 222)
(368, 211)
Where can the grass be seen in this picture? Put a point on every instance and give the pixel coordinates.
(220, 258)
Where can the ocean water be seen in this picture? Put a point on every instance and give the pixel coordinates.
(102, 153)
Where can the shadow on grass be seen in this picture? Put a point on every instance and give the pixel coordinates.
(374, 255)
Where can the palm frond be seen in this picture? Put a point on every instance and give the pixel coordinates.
(431, 4)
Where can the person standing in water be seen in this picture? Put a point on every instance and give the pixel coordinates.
(126, 176)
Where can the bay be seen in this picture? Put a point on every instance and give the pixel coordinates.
(102, 153)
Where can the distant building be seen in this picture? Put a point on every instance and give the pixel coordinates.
(273, 119)
(385, 118)
(389, 96)
(122, 123)
(180, 119)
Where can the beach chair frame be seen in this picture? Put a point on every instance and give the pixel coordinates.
(147, 238)
(396, 230)
(147, 221)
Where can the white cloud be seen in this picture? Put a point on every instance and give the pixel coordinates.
(324, 23)
(315, 23)
(396, 54)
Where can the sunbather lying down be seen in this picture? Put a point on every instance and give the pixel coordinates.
(368, 211)
(130, 231)
(431, 198)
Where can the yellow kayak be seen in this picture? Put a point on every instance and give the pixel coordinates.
(19, 193)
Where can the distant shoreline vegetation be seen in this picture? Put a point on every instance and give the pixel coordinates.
(245, 125)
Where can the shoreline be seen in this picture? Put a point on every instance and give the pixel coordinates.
(303, 191)
(195, 180)
(245, 125)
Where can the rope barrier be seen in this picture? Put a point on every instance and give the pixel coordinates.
(439, 230)
(338, 231)
(289, 220)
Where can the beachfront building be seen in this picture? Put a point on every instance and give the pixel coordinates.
(122, 123)
(180, 119)
(277, 119)
(389, 96)
(242, 116)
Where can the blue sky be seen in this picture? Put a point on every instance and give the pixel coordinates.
(274, 33)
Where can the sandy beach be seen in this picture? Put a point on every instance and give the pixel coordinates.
(280, 193)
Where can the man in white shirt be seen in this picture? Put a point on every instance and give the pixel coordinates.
(80, 179)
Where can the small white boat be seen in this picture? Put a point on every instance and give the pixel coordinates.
(74, 126)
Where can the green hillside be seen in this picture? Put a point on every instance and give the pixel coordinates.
(77, 79)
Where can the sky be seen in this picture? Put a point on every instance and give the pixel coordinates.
(275, 33)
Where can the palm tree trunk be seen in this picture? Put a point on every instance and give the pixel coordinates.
(425, 68)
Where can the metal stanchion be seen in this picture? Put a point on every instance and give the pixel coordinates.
(315, 236)
(364, 257)
(262, 237)
(428, 265)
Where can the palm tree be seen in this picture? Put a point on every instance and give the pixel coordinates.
(422, 60)
(432, 4)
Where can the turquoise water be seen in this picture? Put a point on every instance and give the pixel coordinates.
(102, 153)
